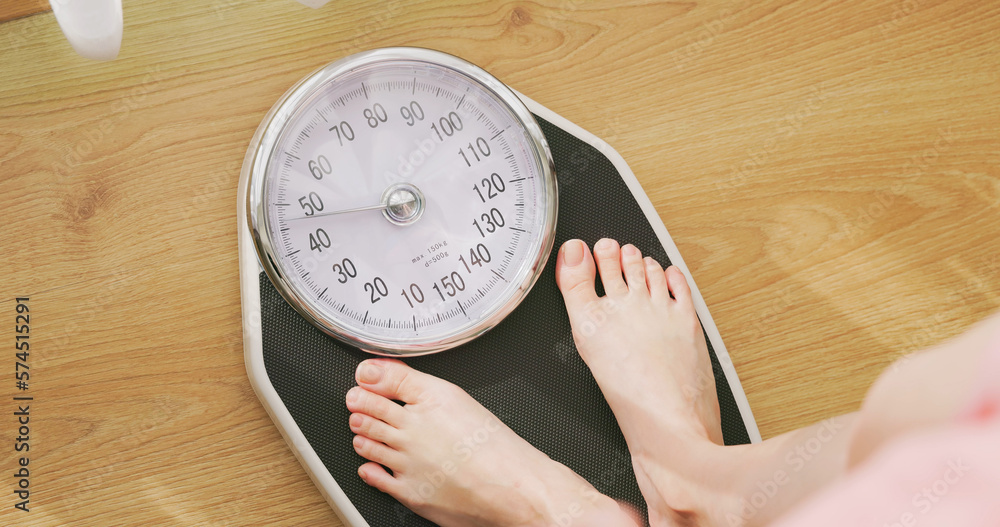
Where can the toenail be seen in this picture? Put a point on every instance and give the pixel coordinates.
(630, 250)
(370, 373)
(352, 395)
(361, 473)
(604, 244)
(572, 253)
(355, 420)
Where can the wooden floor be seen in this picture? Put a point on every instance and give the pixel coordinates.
(829, 170)
(11, 9)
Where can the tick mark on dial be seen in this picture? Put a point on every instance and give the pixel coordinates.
(497, 134)
(516, 180)
(365, 90)
(293, 252)
(323, 292)
(516, 229)
(460, 101)
(460, 306)
(292, 156)
(498, 274)
(365, 319)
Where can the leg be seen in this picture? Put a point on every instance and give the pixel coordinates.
(922, 390)
(645, 347)
(455, 463)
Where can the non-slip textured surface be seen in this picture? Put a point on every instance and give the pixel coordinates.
(526, 370)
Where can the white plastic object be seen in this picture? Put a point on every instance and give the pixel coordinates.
(93, 27)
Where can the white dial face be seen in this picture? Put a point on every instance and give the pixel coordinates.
(453, 197)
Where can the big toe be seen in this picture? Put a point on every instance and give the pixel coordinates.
(393, 379)
(575, 273)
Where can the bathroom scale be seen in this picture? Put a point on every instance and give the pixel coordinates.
(403, 202)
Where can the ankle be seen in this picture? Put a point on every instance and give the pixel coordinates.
(688, 484)
(677, 436)
(589, 509)
(574, 502)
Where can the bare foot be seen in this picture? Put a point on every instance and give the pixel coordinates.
(645, 346)
(455, 463)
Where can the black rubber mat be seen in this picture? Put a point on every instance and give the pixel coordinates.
(526, 370)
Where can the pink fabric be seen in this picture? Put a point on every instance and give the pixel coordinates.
(945, 477)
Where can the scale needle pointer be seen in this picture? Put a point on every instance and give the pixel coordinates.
(359, 209)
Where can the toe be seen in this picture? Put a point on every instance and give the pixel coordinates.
(575, 274)
(372, 428)
(656, 280)
(395, 380)
(634, 269)
(376, 476)
(360, 400)
(608, 256)
(678, 286)
(377, 452)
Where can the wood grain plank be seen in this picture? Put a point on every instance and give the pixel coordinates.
(11, 9)
(829, 171)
